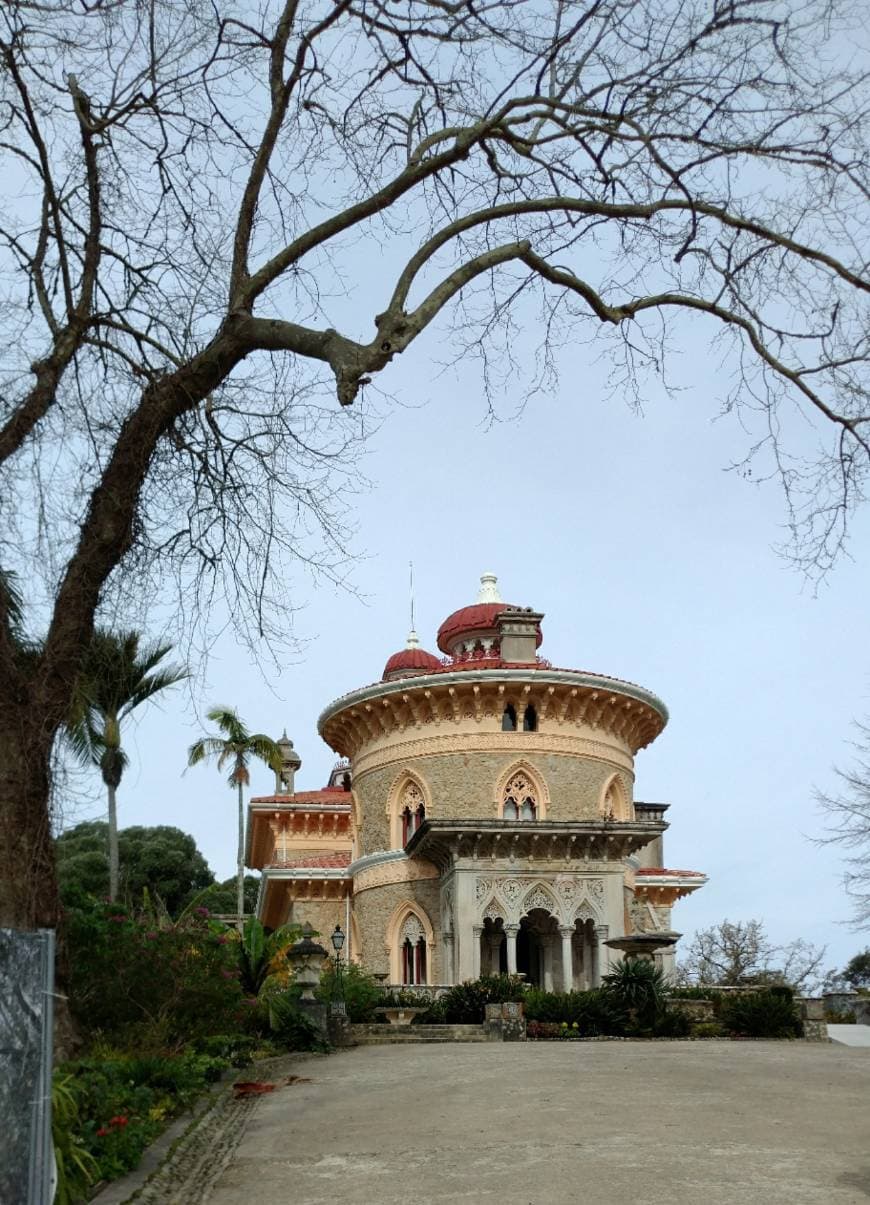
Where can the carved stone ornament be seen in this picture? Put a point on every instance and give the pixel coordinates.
(510, 890)
(494, 912)
(539, 898)
(412, 930)
(594, 888)
(482, 888)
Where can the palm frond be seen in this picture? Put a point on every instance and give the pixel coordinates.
(204, 749)
(229, 723)
(266, 749)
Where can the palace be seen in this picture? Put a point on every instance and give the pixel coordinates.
(482, 817)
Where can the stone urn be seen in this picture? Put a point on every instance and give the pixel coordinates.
(307, 957)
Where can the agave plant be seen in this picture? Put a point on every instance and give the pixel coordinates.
(640, 987)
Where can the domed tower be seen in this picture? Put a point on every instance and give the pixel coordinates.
(495, 825)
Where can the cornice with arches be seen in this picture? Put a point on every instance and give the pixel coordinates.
(566, 897)
(633, 716)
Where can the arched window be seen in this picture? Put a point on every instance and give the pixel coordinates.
(519, 801)
(345, 781)
(413, 944)
(509, 719)
(530, 719)
(413, 811)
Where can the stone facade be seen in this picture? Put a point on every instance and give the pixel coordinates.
(489, 812)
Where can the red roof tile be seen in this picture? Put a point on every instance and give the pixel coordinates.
(479, 617)
(415, 659)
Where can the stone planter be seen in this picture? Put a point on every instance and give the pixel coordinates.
(400, 1016)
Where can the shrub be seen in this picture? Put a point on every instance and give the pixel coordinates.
(764, 1014)
(596, 1013)
(465, 1003)
(292, 1027)
(116, 1107)
(669, 1023)
(180, 981)
(707, 1029)
(435, 1014)
(77, 1168)
(362, 992)
(236, 1048)
(639, 987)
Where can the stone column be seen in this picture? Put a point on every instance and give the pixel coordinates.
(476, 930)
(447, 970)
(511, 932)
(567, 959)
(547, 943)
(600, 964)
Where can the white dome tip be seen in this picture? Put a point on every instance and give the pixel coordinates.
(488, 592)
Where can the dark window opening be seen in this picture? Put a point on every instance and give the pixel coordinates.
(345, 782)
(414, 961)
(530, 719)
(509, 719)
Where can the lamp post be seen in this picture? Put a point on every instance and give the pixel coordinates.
(337, 1004)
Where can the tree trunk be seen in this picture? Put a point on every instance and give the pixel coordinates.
(28, 879)
(113, 843)
(240, 885)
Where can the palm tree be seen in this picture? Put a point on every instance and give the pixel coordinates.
(118, 675)
(236, 747)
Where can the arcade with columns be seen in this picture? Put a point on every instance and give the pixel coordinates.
(481, 817)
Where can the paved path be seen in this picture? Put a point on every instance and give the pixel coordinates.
(700, 1123)
(850, 1035)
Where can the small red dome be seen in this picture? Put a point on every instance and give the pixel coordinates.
(411, 661)
(479, 617)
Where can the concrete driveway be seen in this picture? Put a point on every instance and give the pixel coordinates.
(529, 1124)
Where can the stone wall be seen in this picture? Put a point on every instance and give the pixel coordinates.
(375, 907)
(322, 915)
(464, 786)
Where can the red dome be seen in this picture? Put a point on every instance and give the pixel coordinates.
(415, 661)
(480, 617)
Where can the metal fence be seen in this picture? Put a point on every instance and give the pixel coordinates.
(26, 1023)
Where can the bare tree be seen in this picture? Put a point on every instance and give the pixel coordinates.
(849, 826)
(199, 191)
(734, 953)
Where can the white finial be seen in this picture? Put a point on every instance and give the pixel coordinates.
(413, 641)
(411, 592)
(488, 592)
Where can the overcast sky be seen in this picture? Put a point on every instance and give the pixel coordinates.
(651, 561)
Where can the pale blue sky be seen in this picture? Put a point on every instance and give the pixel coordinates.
(650, 562)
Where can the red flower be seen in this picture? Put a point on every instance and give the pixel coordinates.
(102, 1132)
(118, 1121)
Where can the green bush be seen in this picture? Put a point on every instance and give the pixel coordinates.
(707, 1029)
(136, 980)
(638, 986)
(435, 1014)
(670, 1023)
(362, 992)
(236, 1048)
(465, 1003)
(290, 1025)
(596, 1013)
(114, 1108)
(766, 1014)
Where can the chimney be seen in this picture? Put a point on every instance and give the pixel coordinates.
(290, 763)
(518, 629)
